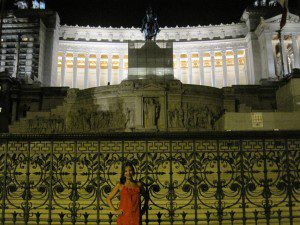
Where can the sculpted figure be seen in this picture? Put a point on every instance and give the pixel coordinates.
(129, 113)
(176, 118)
(150, 26)
(151, 112)
(21, 4)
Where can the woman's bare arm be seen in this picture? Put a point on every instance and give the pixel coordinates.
(111, 195)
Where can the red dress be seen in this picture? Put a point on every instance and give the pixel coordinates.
(130, 205)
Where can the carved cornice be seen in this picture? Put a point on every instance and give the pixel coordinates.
(110, 34)
(272, 25)
(216, 45)
(178, 47)
(291, 18)
(93, 47)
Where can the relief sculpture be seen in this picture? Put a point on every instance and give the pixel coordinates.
(176, 118)
(129, 118)
(191, 116)
(151, 112)
(78, 120)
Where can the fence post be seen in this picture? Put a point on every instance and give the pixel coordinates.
(4, 184)
(243, 189)
(74, 191)
(38, 215)
(219, 193)
(279, 216)
(256, 217)
(159, 214)
(61, 218)
(27, 193)
(289, 183)
(86, 217)
(171, 186)
(195, 191)
(14, 219)
(208, 217)
(50, 188)
(266, 190)
(98, 184)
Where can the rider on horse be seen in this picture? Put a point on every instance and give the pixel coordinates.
(150, 26)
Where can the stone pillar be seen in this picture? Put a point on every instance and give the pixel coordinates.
(236, 66)
(121, 65)
(249, 77)
(296, 51)
(213, 76)
(224, 64)
(270, 56)
(284, 55)
(86, 70)
(109, 66)
(63, 68)
(98, 69)
(201, 67)
(178, 66)
(75, 64)
(190, 68)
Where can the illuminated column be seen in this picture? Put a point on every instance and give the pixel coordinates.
(236, 67)
(63, 68)
(98, 69)
(284, 57)
(250, 78)
(178, 66)
(224, 64)
(213, 76)
(121, 65)
(296, 51)
(201, 67)
(270, 56)
(86, 70)
(109, 62)
(75, 62)
(190, 68)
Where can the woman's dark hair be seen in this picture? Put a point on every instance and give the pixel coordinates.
(123, 178)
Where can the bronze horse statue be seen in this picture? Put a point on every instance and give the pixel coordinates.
(150, 26)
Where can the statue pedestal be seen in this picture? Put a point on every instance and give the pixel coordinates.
(150, 59)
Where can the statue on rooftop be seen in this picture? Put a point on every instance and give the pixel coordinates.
(150, 26)
(21, 4)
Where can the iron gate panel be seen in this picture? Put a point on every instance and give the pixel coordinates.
(189, 180)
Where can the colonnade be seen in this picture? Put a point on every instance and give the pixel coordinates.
(213, 63)
(103, 75)
(287, 56)
(216, 68)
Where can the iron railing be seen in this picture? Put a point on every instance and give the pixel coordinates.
(201, 178)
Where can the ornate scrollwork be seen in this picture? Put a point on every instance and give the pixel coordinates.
(207, 180)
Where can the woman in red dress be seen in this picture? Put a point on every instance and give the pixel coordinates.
(130, 190)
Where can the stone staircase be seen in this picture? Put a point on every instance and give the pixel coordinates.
(43, 121)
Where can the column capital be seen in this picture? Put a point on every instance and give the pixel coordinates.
(64, 53)
(294, 36)
(235, 50)
(223, 51)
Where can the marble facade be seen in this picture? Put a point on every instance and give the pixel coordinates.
(215, 55)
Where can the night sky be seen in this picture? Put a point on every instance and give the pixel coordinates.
(128, 13)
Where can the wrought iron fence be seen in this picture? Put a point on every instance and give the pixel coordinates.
(203, 178)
